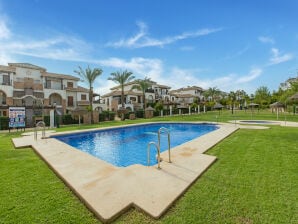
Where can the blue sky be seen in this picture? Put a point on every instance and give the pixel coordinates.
(225, 43)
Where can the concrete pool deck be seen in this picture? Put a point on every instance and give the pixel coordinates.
(109, 191)
(265, 122)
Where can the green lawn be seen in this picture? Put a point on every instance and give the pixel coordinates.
(254, 180)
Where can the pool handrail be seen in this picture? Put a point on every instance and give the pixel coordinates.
(158, 154)
(43, 126)
(163, 129)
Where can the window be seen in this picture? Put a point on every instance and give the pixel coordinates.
(70, 84)
(70, 101)
(48, 84)
(6, 79)
(83, 97)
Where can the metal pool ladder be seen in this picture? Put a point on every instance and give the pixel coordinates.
(161, 130)
(157, 146)
(148, 153)
(40, 124)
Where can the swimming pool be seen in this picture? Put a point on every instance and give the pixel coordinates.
(125, 146)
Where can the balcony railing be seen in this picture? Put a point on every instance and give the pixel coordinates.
(149, 91)
(6, 83)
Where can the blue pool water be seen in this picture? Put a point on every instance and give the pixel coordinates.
(126, 146)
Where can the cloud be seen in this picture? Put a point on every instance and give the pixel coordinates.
(237, 54)
(141, 39)
(150, 67)
(253, 74)
(58, 47)
(187, 77)
(266, 40)
(4, 31)
(276, 58)
(141, 68)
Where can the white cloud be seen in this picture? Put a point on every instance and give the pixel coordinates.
(141, 39)
(276, 58)
(59, 48)
(186, 77)
(253, 74)
(143, 66)
(5, 33)
(266, 40)
(237, 54)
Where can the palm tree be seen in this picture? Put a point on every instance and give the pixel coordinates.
(143, 85)
(212, 93)
(232, 96)
(122, 78)
(89, 75)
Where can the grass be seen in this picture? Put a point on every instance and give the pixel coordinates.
(255, 180)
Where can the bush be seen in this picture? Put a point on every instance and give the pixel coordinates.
(67, 119)
(126, 116)
(4, 123)
(107, 116)
(46, 120)
(140, 113)
(156, 113)
(112, 116)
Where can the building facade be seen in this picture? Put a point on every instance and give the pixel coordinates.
(39, 91)
(133, 98)
(186, 96)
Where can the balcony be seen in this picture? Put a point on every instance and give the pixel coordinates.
(149, 91)
(83, 103)
(6, 83)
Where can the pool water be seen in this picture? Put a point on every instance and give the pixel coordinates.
(126, 146)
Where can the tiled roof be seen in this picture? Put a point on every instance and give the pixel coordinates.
(55, 75)
(78, 89)
(26, 65)
(130, 83)
(7, 68)
(118, 93)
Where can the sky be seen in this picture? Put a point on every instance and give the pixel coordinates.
(226, 44)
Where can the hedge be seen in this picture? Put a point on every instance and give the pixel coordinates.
(4, 123)
(107, 116)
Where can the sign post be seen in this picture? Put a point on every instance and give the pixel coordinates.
(17, 116)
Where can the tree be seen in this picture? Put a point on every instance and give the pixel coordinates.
(89, 75)
(263, 96)
(121, 78)
(241, 96)
(232, 97)
(212, 93)
(143, 85)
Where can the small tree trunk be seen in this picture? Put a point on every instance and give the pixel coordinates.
(90, 105)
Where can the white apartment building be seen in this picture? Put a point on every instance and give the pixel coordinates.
(39, 91)
(133, 99)
(184, 97)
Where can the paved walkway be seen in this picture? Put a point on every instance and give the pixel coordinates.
(109, 191)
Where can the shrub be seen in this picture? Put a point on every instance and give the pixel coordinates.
(139, 113)
(107, 116)
(67, 119)
(4, 123)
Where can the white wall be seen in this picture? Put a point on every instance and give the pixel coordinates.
(48, 92)
(28, 73)
(7, 89)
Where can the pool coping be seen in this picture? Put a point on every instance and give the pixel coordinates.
(268, 122)
(108, 191)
